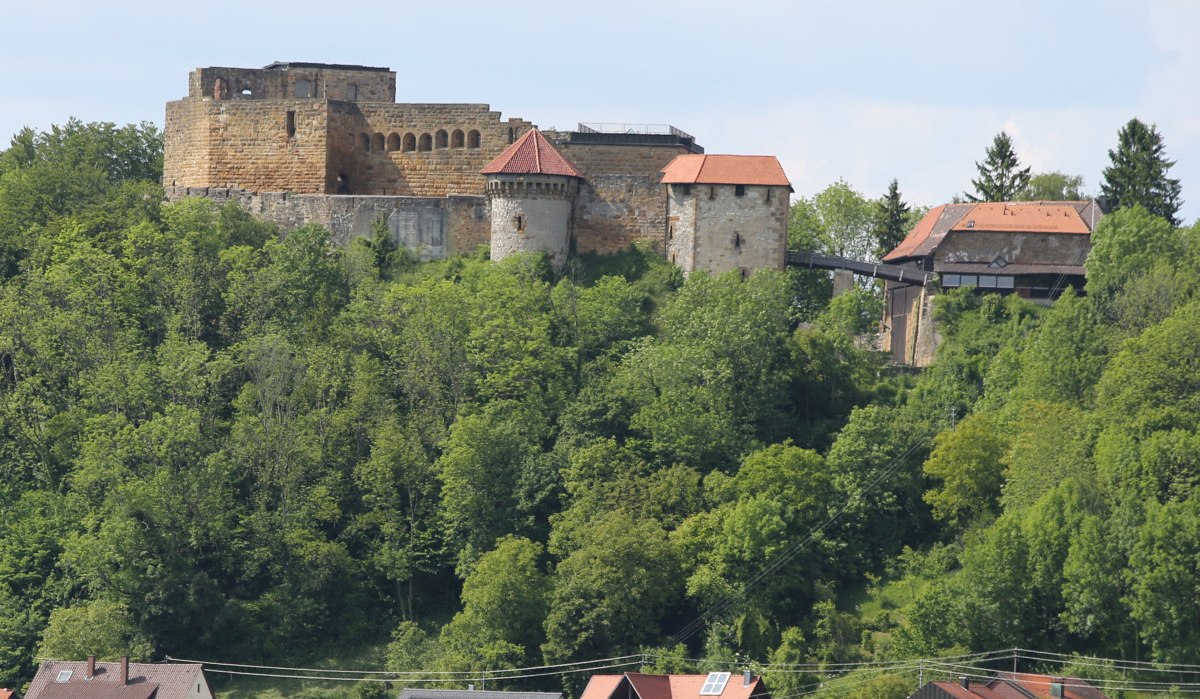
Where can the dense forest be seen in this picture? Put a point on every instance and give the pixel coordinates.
(220, 443)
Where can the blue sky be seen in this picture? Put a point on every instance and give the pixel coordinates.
(862, 91)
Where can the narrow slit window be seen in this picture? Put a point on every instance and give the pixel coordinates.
(291, 124)
(519, 221)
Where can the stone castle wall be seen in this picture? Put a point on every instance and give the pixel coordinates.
(262, 145)
(623, 201)
(313, 146)
(432, 227)
(615, 211)
(350, 83)
(733, 232)
(681, 226)
(328, 144)
(424, 150)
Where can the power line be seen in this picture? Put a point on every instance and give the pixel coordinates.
(632, 659)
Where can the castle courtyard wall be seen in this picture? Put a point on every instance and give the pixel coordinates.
(431, 227)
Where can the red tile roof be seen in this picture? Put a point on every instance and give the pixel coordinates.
(725, 169)
(6, 694)
(146, 681)
(1041, 217)
(1059, 217)
(1020, 686)
(531, 154)
(670, 687)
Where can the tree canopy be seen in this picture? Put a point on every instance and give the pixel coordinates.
(1137, 173)
(1001, 177)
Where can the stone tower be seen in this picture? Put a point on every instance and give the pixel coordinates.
(532, 188)
(726, 213)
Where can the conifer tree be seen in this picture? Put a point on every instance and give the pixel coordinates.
(1001, 176)
(891, 220)
(1138, 174)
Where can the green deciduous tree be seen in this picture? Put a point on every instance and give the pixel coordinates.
(967, 461)
(1052, 186)
(1001, 177)
(102, 628)
(1165, 569)
(505, 599)
(1126, 244)
(610, 594)
(1138, 173)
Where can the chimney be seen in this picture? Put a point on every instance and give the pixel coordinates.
(124, 670)
(747, 678)
(964, 682)
(91, 668)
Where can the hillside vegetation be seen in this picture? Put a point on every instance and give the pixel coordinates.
(219, 444)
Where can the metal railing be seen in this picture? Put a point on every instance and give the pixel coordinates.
(645, 129)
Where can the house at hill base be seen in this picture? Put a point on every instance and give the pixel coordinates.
(636, 685)
(1010, 685)
(88, 679)
(317, 143)
(1035, 250)
(472, 693)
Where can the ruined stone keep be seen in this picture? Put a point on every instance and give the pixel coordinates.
(298, 143)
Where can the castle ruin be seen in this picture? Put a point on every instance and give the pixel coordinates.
(298, 143)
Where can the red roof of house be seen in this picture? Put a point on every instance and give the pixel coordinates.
(6, 694)
(1057, 217)
(1020, 686)
(531, 154)
(1042, 217)
(671, 687)
(146, 681)
(725, 169)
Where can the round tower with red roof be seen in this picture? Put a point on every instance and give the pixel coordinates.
(531, 188)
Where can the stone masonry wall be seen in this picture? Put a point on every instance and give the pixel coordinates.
(1015, 248)
(333, 147)
(327, 82)
(615, 211)
(431, 227)
(744, 233)
(531, 213)
(416, 149)
(681, 226)
(262, 145)
(185, 144)
(609, 159)
(623, 201)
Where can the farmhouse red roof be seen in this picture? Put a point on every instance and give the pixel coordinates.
(1060, 217)
(725, 169)
(531, 154)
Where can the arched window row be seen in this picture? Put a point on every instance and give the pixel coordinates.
(440, 140)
